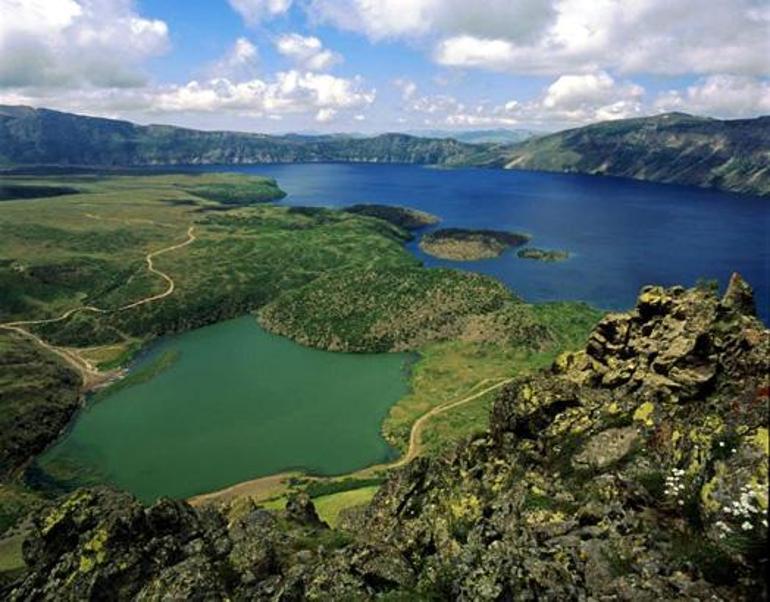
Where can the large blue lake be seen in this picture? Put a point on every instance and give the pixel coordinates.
(623, 233)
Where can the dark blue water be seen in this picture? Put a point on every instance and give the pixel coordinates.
(623, 234)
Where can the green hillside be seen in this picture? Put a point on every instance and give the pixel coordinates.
(41, 136)
(671, 148)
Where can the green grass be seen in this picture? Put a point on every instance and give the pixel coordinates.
(89, 248)
(330, 279)
(329, 507)
(325, 487)
(230, 189)
(383, 309)
(448, 371)
(11, 559)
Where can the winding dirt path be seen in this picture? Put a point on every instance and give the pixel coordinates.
(90, 375)
(419, 425)
(151, 268)
(265, 487)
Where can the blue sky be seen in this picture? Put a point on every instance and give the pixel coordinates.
(366, 65)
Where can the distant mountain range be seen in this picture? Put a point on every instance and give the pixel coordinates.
(671, 148)
(45, 137)
(494, 136)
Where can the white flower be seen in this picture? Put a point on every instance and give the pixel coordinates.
(747, 526)
(721, 444)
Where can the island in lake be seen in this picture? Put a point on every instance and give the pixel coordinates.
(460, 244)
(543, 254)
(403, 217)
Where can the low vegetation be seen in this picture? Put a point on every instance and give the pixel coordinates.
(331, 279)
(38, 394)
(382, 310)
(542, 254)
(403, 217)
(519, 339)
(44, 137)
(28, 191)
(231, 189)
(671, 148)
(460, 244)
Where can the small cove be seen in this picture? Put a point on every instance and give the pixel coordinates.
(238, 403)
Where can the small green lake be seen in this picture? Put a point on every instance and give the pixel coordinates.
(237, 403)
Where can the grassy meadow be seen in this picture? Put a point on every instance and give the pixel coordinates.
(329, 279)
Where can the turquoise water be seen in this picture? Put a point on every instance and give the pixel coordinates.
(238, 403)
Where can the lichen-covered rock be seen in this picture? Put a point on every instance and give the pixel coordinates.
(636, 469)
(301, 509)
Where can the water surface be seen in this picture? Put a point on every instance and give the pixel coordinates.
(623, 233)
(239, 403)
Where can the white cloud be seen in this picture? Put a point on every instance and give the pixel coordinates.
(300, 94)
(254, 11)
(724, 96)
(592, 97)
(240, 61)
(290, 92)
(571, 36)
(325, 115)
(569, 100)
(407, 87)
(68, 43)
(307, 52)
(394, 18)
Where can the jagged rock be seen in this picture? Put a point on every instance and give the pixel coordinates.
(636, 469)
(608, 447)
(300, 508)
(739, 297)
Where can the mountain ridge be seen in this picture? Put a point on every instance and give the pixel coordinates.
(671, 148)
(47, 137)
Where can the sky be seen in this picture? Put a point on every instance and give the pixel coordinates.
(386, 65)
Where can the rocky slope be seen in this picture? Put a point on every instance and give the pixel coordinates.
(41, 136)
(635, 469)
(671, 148)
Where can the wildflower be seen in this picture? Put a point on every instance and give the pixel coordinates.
(747, 526)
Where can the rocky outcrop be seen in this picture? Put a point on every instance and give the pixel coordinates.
(635, 469)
